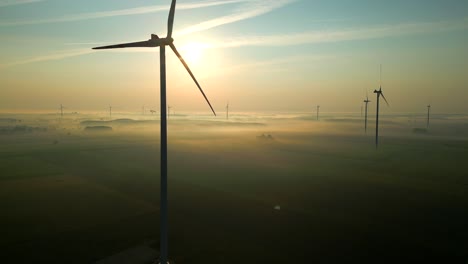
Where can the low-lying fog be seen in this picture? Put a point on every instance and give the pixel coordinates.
(81, 174)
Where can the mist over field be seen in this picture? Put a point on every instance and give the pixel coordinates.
(267, 187)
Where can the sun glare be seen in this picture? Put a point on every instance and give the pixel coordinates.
(192, 52)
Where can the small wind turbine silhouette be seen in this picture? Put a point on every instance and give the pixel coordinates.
(110, 111)
(155, 41)
(365, 115)
(318, 108)
(379, 93)
(152, 111)
(61, 110)
(227, 111)
(428, 111)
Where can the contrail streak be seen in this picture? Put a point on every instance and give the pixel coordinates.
(312, 37)
(54, 56)
(17, 2)
(253, 9)
(122, 12)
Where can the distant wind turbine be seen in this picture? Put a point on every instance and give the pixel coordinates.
(365, 115)
(379, 93)
(318, 108)
(155, 41)
(61, 110)
(152, 111)
(428, 112)
(110, 111)
(227, 111)
(169, 110)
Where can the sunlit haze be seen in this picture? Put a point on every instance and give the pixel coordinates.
(260, 55)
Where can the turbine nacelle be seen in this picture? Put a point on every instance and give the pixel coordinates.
(379, 93)
(367, 99)
(161, 41)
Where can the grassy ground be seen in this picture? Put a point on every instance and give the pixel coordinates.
(87, 196)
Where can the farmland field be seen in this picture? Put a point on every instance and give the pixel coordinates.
(70, 196)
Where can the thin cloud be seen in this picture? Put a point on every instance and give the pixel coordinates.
(343, 35)
(54, 56)
(254, 8)
(272, 65)
(71, 53)
(17, 2)
(276, 61)
(303, 38)
(310, 37)
(250, 10)
(122, 12)
(85, 43)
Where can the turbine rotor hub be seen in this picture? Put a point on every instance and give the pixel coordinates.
(166, 41)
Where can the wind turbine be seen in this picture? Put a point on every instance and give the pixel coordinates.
(227, 111)
(155, 41)
(61, 110)
(428, 111)
(318, 108)
(110, 111)
(379, 93)
(152, 111)
(169, 110)
(365, 115)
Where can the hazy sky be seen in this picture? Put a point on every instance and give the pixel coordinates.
(260, 55)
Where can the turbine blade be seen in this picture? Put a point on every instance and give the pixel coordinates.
(146, 43)
(384, 99)
(170, 20)
(191, 74)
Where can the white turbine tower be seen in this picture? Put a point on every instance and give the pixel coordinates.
(155, 41)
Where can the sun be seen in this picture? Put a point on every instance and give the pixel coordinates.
(192, 52)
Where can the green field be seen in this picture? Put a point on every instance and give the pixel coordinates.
(68, 196)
